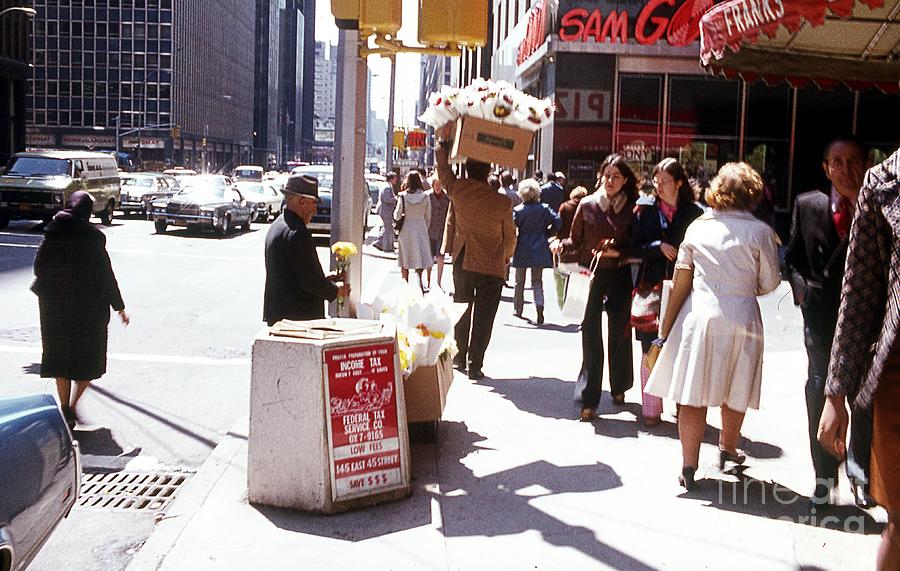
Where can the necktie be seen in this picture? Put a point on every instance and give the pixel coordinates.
(842, 217)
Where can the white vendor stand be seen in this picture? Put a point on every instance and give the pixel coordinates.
(327, 418)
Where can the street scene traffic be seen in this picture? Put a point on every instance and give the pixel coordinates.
(419, 285)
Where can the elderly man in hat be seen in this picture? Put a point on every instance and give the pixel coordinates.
(296, 286)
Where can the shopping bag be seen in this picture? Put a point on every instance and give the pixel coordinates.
(560, 280)
(664, 299)
(577, 296)
(645, 305)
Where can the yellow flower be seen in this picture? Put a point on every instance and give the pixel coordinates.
(344, 249)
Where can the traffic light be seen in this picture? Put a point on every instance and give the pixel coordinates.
(399, 139)
(383, 17)
(175, 132)
(415, 139)
(345, 9)
(453, 22)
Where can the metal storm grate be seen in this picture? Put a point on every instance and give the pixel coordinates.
(129, 491)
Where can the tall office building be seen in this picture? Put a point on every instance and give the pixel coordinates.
(142, 68)
(324, 104)
(14, 26)
(281, 74)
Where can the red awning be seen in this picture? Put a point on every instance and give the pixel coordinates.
(855, 42)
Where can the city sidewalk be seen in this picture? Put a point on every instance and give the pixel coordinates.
(514, 481)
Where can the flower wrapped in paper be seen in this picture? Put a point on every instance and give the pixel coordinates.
(498, 101)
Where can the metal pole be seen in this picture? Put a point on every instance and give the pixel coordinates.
(348, 213)
(118, 126)
(389, 147)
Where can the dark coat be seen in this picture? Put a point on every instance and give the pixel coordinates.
(869, 315)
(815, 258)
(296, 287)
(75, 285)
(536, 223)
(553, 195)
(592, 225)
(650, 230)
(567, 215)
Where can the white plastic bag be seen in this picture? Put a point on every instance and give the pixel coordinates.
(577, 296)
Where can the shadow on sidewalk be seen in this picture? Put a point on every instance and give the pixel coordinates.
(554, 398)
(743, 494)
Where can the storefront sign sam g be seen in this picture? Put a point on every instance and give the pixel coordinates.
(646, 23)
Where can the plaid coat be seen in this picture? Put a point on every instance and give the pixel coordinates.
(869, 315)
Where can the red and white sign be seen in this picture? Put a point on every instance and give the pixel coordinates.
(39, 139)
(363, 433)
(89, 141)
(536, 32)
(145, 142)
(583, 106)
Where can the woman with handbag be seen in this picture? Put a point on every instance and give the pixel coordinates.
(601, 234)
(535, 222)
(660, 222)
(713, 355)
(411, 219)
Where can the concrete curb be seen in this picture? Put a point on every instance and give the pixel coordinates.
(190, 501)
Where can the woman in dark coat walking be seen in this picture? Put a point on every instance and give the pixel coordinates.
(536, 223)
(75, 285)
(660, 222)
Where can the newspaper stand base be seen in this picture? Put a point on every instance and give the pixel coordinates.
(293, 458)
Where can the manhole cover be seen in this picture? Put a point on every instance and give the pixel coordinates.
(130, 491)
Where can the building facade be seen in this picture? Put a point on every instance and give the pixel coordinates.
(14, 30)
(625, 78)
(325, 98)
(167, 83)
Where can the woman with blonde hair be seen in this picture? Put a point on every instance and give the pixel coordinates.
(712, 332)
(536, 223)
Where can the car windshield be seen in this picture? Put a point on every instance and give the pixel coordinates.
(39, 166)
(204, 192)
(249, 188)
(325, 178)
(137, 181)
(204, 180)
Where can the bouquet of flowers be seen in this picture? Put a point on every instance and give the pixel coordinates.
(424, 324)
(342, 251)
(496, 101)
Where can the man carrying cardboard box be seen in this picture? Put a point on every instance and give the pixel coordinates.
(483, 241)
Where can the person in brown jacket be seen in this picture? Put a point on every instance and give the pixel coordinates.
(482, 242)
(600, 237)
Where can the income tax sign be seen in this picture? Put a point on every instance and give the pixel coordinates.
(363, 434)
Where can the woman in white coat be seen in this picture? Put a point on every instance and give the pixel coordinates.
(414, 208)
(712, 331)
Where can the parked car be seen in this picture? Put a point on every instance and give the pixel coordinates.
(36, 185)
(203, 207)
(205, 180)
(140, 189)
(321, 222)
(248, 172)
(264, 198)
(40, 476)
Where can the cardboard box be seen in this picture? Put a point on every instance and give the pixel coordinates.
(491, 142)
(426, 391)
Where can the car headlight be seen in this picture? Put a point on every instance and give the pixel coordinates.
(58, 198)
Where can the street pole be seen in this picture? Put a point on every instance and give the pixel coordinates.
(389, 147)
(118, 126)
(348, 211)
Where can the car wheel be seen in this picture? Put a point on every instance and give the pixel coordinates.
(106, 216)
(246, 227)
(223, 229)
(160, 226)
(269, 214)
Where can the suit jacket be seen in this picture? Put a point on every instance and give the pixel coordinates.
(815, 258)
(553, 195)
(869, 314)
(481, 221)
(648, 234)
(296, 287)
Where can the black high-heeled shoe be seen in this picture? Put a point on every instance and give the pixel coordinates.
(686, 479)
(734, 457)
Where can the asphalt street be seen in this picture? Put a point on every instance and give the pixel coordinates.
(178, 375)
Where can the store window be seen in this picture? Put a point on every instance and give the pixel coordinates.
(822, 114)
(768, 136)
(640, 120)
(876, 123)
(703, 118)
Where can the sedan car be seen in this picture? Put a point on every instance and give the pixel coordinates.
(321, 222)
(219, 180)
(40, 476)
(203, 207)
(140, 189)
(265, 199)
